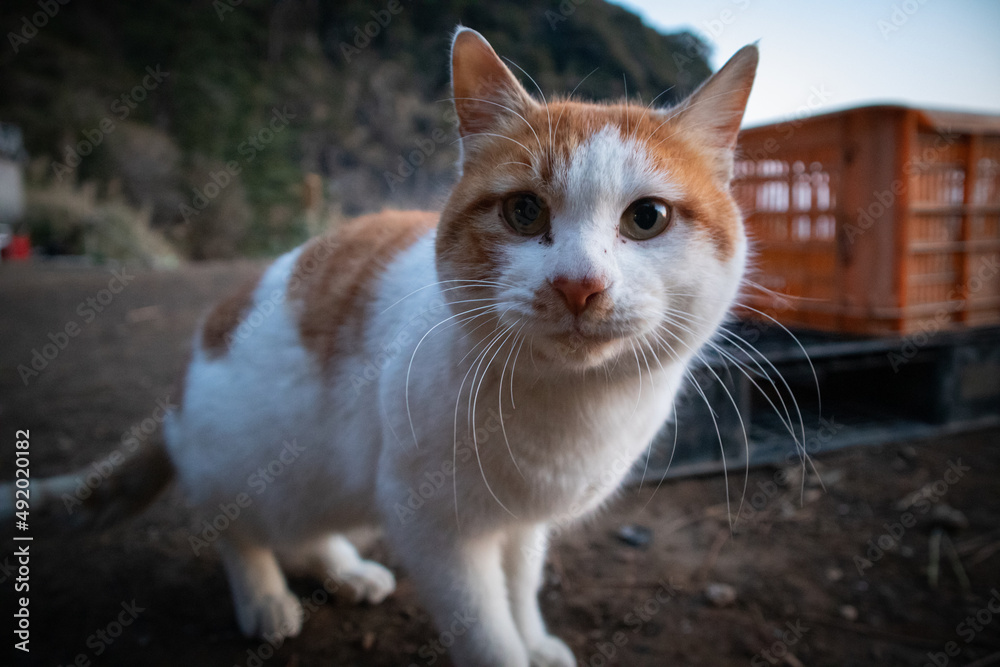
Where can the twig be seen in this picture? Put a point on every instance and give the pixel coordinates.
(988, 660)
(985, 552)
(934, 565)
(956, 564)
(928, 641)
(977, 542)
(792, 661)
(874, 632)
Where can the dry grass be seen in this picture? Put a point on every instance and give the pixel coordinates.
(73, 219)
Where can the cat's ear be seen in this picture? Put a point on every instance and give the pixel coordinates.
(714, 112)
(485, 90)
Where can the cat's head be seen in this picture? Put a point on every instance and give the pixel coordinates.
(595, 230)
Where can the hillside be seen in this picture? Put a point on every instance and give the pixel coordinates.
(207, 115)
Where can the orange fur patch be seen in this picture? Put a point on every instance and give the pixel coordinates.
(709, 206)
(225, 317)
(334, 279)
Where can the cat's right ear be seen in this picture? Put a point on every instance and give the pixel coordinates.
(714, 112)
(485, 90)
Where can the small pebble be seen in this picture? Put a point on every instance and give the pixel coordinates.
(793, 476)
(834, 574)
(831, 477)
(721, 595)
(849, 612)
(634, 535)
(368, 641)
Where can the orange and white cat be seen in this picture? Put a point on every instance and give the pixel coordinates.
(461, 379)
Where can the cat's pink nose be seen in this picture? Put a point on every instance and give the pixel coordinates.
(578, 294)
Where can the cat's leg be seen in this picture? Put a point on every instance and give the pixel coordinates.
(461, 582)
(523, 561)
(337, 558)
(265, 608)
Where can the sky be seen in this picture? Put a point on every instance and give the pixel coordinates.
(819, 56)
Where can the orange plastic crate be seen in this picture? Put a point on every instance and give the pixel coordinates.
(876, 220)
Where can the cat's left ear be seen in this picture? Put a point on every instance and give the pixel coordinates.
(714, 112)
(485, 90)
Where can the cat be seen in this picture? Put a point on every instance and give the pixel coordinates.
(462, 379)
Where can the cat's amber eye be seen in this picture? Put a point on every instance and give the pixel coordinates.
(526, 213)
(645, 218)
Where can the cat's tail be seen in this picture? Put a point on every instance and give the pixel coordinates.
(103, 493)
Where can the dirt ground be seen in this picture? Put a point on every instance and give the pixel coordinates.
(803, 596)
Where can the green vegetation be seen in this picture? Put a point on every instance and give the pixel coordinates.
(207, 115)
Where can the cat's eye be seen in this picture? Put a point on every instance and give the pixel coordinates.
(645, 218)
(526, 213)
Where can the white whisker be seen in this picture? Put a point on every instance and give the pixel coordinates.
(475, 440)
(539, 89)
(409, 367)
(572, 92)
(507, 108)
(471, 283)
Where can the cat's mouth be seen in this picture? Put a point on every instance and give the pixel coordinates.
(580, 352)
(578, 337)
(586, 347)
(581, 343)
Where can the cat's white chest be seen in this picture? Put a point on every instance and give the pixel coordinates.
(479, 433)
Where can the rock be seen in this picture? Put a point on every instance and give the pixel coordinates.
(849, 612)
(144, 314)
(720, 595)
(634, 535)
(793, 476)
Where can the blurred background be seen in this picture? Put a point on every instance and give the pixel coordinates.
(98, 136)
(356, 99)
(153, 156)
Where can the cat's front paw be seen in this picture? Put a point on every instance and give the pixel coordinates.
(550, 651)
(369, 582)
(270, 617)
